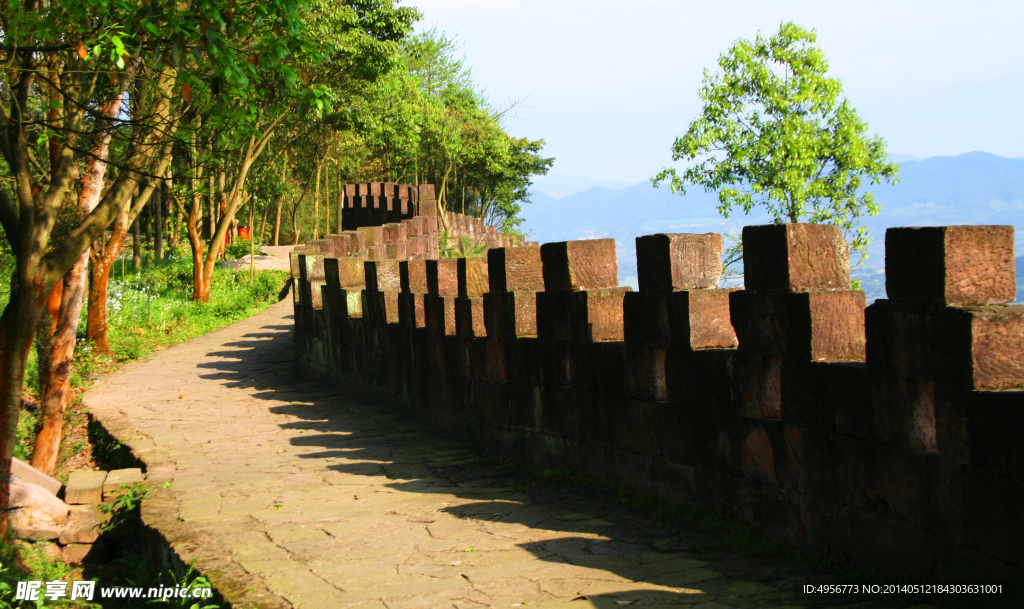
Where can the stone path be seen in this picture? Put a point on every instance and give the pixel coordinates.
(289, 494)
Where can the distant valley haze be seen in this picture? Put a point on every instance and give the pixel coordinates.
(972, 188)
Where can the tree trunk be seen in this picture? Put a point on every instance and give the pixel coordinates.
(136, 251)
(17, 326)
(57, 395)
(341, 195)
(316, 205)
(96, 321)
(158, 227)
(53, 305)
(277, 221)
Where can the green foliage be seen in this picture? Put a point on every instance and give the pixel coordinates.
(125, 505)
(239, 248)
(464, 248)
(775, 133)
(191, 581)
(26, 435)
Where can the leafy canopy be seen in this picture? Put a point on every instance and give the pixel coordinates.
(775, 133)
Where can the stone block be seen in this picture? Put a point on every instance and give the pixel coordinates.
(393, 232)
(571, 266)
(645, 372)
(85, 524)
(324, 246)
(795, 258)
(950, 265)
(757, 386)
(396, 250)
(974, 347)
(311, 266)
(78, 553)
(372, 235)
(554, 316)
(472, 276)
(426, 191)
(698, 319)
(439, 313)
(667, 262)
(443, 277)
(510, 314)
(33, 476)
(410, 310)
(469, 317)
(84, 487)
(413, 276)
(807, 325)
(117, 477)
(699, 378)
(382, 276)
(346, 272)
(427, 208)
(992, 508)
(596, 315)
(511, 269)
(413, 227)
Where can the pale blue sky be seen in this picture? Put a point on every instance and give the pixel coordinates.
(611, 84)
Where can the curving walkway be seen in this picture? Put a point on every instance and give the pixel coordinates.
(289, 494)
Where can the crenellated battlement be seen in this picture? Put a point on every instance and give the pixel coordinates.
(887, 433)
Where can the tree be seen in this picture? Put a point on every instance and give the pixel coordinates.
(775, 133)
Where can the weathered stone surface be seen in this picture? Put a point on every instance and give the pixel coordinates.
(85, 486)
(512, 269)
(372, 236)
(36, 514)
(394, 232)
(112, 484)
(679, 261)
(33, 476)
(950, 265)
(443, 277)
(510, 314)
(311, 266)
(345, 272)
(469, 317)
(795, 258)
(596, 315)
(413, 275)
(85, 524)
(571, 266)
(439, 313)
(78, 553)
(974, 347)
(472, 276)
(382, 276)
(410, 310)
(697, 319)
(806, 325)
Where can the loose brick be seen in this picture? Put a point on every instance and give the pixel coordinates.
(950, 265)
(114, 480)
(795, 258)
(678, 261)
(443, 277)
(472, 276)
(84, 487)
(571, 266)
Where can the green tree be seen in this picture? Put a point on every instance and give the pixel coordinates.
(776, 133)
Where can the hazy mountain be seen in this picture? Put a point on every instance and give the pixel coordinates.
(973, 188)
(559, 186)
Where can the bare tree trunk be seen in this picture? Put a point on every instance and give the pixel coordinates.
(136, 251)
(62, 348)
(316, 204)
(280, 200)
(341, 194)
(158, 227)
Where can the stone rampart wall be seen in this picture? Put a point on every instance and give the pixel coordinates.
(889, 434)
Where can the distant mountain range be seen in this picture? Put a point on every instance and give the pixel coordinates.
(972, 188)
